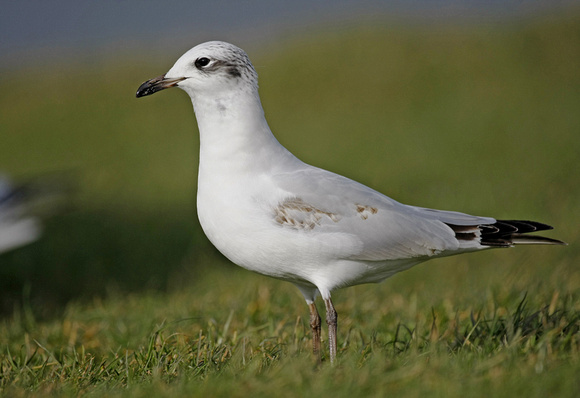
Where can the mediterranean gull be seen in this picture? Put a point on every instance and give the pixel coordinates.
(271, 213)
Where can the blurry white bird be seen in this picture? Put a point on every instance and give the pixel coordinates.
(271, 213)
(23, 206)
(17, 227)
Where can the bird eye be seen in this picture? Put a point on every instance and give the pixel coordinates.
(201, 62)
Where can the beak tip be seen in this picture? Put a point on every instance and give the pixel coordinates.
(145, 89)
(140, 93)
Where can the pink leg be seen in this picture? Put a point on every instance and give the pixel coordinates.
(331, 320)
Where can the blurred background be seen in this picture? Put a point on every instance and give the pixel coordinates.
(462, 105)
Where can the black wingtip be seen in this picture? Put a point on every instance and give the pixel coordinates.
(505, 233)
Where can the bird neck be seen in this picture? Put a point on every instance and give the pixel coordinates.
(234, 133)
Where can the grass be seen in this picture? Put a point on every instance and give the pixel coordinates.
(124, 296)
(253, 340)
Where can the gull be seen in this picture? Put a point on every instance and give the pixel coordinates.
(17, 226)
(24, 206)
(271, 213)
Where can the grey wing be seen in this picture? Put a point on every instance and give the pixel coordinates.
(384, 229)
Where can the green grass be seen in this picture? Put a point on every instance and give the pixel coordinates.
(243, 334)
(124, 295)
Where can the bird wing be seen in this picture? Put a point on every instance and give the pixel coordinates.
(321, 202)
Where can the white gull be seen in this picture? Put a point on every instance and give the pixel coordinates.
(271, 213)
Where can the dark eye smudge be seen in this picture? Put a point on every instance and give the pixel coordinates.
(231, 69)
(234, 72)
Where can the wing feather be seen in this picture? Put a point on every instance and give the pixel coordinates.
(385, 228)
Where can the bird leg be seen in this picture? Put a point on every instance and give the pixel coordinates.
(331, 320)
(315, 325)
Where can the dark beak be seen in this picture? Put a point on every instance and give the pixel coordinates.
(157, 84)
